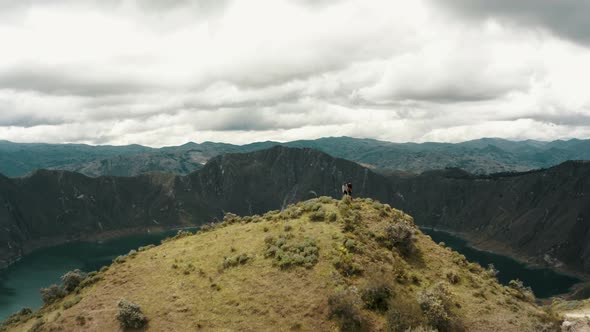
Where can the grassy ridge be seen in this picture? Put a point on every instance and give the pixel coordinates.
(319, 265)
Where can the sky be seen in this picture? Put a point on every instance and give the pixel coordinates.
(163, 73)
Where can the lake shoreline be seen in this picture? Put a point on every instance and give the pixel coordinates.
(476, 243)
(35, 245)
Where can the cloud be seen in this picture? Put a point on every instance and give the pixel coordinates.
(567, 18)
(166, 72)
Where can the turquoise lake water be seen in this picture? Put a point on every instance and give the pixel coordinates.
(544, 282)
(20, 283)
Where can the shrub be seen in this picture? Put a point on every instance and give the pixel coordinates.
(144, 248)
(436, 303)
(235, 260)
(130, 315)
(344, 306)
(351, 222)
(290, 253)
(453, 277)
(459, 259)
(474, 267)
(311, 206)
(120, 259)
(404, 314)
(401, 235)
(376, 295)
(206, 228)
(491, 271)
(21, 316)
(325, 199)
(71, 302)
(345, 264)
(37, 326)
(346, 199)
(182, 233)
(90, 279)
(230, 218)
(378, 205)
(332, 216)
(72, 279)
(52, 294)
(520, 291)
(351, 245)
(318, 215)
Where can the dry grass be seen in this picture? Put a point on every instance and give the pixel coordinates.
(181, 287)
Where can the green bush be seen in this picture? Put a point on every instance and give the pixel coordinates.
(459, 259)
(288, 253)
(332, 216)
(453, 277)
(326, 200)
(71, 302)
(318, 215)
(376, 294)
(89, 280)
(345, 307)
(436, 303)
(345, 264)
(491, 271)
(144, 248)
(21, 316)
(52, 294)
(182, 233)
(231, 218)
(72, 279)
(37, 326)
(236, 260)
(404, 315)
(130, 315)
(311, 206)
(520, 291)
(401, 235)
(120, 259)
(352, 221)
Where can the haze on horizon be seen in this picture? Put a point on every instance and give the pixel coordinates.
(164, 73)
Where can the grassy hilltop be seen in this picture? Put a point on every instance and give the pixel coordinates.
(319, 265)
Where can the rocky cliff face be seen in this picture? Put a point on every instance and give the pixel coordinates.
(52, 206)
(541, 215)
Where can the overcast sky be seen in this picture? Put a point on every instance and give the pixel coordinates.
(166, 72)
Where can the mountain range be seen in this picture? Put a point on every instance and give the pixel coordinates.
(482, 156)
(541, 216)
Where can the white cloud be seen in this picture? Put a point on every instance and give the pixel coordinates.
(159, 74)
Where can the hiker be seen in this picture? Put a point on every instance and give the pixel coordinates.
(347, 189)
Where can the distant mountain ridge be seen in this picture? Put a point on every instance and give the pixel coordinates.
(482, 156)
(541, 215)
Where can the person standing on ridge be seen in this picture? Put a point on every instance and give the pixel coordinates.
(347, 189)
